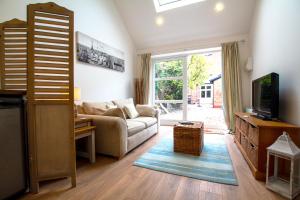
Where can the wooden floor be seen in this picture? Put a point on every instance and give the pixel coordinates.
(119, 180)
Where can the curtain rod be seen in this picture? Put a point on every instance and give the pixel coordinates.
(191, 49)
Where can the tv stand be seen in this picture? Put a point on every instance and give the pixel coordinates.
(253, 136)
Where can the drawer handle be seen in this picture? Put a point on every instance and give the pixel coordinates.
(252, 146)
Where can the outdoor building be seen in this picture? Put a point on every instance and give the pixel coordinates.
(217, 91)
(208, 94)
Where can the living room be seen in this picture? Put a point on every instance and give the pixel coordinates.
(120, 70)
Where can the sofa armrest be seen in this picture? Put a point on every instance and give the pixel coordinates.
(111, 135)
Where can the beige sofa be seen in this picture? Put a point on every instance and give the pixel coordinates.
(116, 136)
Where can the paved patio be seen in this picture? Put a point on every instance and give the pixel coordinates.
(213, 118)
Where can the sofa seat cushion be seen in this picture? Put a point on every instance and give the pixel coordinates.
(134, 127)
(148, 121)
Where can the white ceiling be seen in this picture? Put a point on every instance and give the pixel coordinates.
(198, 21)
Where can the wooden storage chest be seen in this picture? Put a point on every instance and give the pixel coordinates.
(189, 138)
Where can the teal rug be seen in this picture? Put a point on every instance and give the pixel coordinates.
(214, 163)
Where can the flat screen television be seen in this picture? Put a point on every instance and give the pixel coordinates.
(265, 96)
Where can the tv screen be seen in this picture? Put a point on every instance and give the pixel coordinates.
(265, 95)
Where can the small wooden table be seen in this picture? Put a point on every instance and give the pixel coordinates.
(84, 128)
(189, 138)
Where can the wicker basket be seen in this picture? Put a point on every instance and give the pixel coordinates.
(188, 138)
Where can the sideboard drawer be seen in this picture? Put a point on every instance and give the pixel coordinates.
(237, 122)
(244, 127)
(244, 142)
(253, 134)
(252, 152)
(237, 135)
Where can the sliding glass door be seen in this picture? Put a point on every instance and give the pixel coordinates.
(189, 87)
(170, 88)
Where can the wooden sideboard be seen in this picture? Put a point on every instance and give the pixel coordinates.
(253, 136)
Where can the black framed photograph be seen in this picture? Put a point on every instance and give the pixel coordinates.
(92, 51)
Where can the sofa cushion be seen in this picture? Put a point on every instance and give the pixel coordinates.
(122, 102)
(134, 127)
(131, 111)
(80, 109)
(148, 121)
(95, 108)
(115, 112)
(146, 110)
(111, 106)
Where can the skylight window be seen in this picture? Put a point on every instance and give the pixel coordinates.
(163, 5)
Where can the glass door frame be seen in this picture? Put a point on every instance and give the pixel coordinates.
(184, 77)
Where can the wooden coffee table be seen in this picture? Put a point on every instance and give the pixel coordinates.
(189, 138)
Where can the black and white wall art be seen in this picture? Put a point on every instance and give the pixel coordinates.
(92, 51)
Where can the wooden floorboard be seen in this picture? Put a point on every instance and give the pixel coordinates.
(111, 179)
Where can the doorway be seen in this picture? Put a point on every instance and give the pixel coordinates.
(206, 98)
(188, 86)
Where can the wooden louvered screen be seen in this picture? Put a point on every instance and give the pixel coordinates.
(50, 93)
(51, 75)
(13, 55)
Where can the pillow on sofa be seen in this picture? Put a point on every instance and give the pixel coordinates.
(122, 102)
(131, 111)
(115, 112)
(80, 109)
(111, 106)
(95, 108)
(146, 110)
(98, 111)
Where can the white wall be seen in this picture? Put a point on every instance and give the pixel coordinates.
(101, 20)
(275, 42)
(245, 75)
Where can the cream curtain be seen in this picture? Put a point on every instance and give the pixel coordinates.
(142, 84)
(231, 82)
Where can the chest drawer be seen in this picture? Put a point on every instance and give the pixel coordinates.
(237, 135)
(253, 134)
(237, 122)
(252, 152)
(244, 127)
(244, 142)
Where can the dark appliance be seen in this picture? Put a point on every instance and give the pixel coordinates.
(13, 145)
(265, 96)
